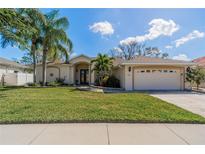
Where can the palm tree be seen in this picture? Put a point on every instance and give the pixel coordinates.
(12, 27)
(102, 66)
(36, 20)
(55, 39)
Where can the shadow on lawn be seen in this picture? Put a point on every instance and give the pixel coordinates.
(9, 88)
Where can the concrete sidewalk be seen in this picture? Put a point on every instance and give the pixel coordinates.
(102, 133)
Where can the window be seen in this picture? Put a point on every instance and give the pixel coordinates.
(148, 71)
(154, 71)
(16, 71)
(165, 71)
(142, 71)
(129, 69)
(171, 71)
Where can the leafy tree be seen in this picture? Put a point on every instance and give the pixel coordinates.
(12, 27)
(34, 39)
(195, 75)
(26, 59)
(102, 66)
(164, 55)
(55, 39)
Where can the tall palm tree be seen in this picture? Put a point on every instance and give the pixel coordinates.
(55, 39)
(102, 66)
(12, 27)
(34, 40)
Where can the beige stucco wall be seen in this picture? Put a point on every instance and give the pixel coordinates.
(128, 78)
(58, 71)
(67, 71)
(119, 73)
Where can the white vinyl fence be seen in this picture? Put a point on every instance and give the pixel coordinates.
(16, 79)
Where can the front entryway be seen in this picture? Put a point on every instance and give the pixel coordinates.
(84, 76)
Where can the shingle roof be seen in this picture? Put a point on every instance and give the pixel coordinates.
(200, 61)
(140, 60)
(10, 63)
(150, 61)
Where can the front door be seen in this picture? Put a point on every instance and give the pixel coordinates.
(84, 76)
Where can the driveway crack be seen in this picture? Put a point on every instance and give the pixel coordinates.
(177, 134)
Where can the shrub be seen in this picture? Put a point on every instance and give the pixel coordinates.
(109, 81)
(60, 81)
(31, 84)
(53, 84)
(104, 81)
(57, 82)
(112, 81)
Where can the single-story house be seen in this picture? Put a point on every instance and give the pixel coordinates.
(140, 73)
(12, 73)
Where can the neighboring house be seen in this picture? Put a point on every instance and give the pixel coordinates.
(201, 62)
(12, 73)
(141, 73)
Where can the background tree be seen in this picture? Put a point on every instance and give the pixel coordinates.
(195, 75)
(55, 39)
(102, 66)
(164, 55)
(26, 59)
(132, 49)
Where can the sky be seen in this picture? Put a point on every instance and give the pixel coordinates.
(179, 32)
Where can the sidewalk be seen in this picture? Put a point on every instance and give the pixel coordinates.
(102, 133)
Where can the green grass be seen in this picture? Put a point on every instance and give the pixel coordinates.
(65, 104)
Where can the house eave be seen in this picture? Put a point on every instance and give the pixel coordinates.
(161, 64)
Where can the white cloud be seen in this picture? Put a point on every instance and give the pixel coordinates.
(104, 28)
(193, 35)
(181, 57)
(168, 47)
(159, 27)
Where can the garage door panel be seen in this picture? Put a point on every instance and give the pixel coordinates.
(152, 79)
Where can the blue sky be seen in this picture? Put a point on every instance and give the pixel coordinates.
(98, 30)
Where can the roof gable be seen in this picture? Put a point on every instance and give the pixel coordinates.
(80, 58)
(200, 61)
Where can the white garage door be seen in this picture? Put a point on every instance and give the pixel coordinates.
(157, 79)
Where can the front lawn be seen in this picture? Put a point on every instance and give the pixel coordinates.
(65, 104)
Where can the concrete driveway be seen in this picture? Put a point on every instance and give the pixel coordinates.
(192, 101)
(102, 134)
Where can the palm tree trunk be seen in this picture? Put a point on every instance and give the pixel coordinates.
(44, 66)
(33, 51)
